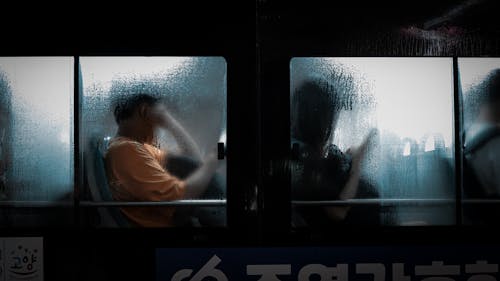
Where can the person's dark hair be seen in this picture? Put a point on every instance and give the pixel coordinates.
(125, 107)
(484, 93)
(314, 109)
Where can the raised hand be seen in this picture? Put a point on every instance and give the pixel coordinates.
(358, 153)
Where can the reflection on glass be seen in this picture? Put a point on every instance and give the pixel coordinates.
(480, 81)
(36, 136)
(372, 128)
(191, 89)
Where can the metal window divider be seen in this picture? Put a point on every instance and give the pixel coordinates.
(458, 126)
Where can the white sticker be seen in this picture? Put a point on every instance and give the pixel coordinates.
(21, 258)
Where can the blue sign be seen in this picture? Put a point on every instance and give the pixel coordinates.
(377, 263)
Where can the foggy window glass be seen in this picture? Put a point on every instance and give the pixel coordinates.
(480, 87)
(193, 89)
(379, 128)
(36, 123)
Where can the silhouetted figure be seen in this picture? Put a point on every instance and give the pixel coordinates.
(136, 167)
(321, 171)
(482, 149)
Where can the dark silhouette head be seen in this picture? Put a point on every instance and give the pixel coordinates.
(138, 116)
(315, 110)
(128, 106)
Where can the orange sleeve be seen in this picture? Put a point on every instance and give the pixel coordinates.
(141, 175)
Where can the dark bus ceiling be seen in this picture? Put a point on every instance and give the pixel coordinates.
(97, 27)
(380, 28)
(366, 14)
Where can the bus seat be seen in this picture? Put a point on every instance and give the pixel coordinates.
(99, 187)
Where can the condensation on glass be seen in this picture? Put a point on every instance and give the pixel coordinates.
(193, 88)
(36, 135)
(480, 88)
(409, 103)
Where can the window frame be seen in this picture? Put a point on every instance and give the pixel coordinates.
(78, 205)
(78, 165)
(457, 171)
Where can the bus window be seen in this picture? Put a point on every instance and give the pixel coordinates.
(151, 127)
(36, 138)
(372, 141)
(480, 87)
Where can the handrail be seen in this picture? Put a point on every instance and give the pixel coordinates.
(377, 201)
(190, 202)
(223, 202)
(69, 204)
(374, 201)
(36, 204)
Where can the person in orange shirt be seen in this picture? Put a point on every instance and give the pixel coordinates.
(136, 168)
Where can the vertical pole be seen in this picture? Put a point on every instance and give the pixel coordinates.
(458, 128)
(76, 140)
